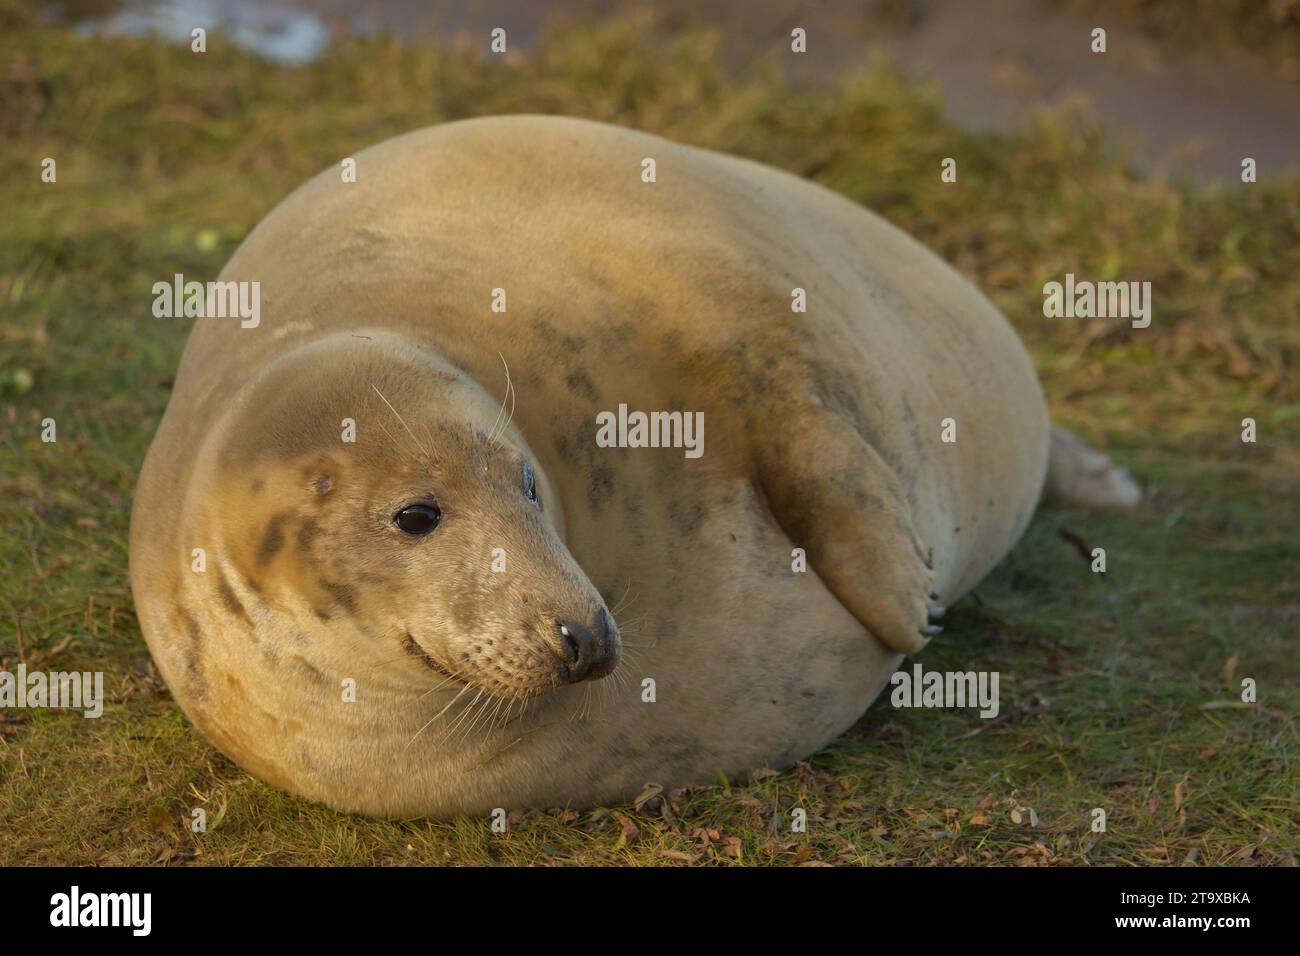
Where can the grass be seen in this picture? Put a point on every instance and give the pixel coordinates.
(1270, 31)
(165, 161)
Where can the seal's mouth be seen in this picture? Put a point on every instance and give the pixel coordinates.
(412, 647)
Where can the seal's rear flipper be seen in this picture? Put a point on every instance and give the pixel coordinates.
(1077, 474)
(835, 497)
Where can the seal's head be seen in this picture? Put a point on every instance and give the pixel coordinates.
(376, 492)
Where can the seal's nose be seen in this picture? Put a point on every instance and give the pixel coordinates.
(587, 651)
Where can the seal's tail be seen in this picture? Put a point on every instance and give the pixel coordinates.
(1076, 474)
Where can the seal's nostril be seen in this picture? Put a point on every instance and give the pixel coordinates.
(572, 649)
(585, 651)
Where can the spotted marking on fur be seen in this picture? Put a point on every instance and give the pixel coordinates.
(307, 533)
(272, 539)
(230, 600)
(309, 670)
(194, 656)
(580, 383)
(343, 594)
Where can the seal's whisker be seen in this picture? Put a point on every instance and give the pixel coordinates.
(494, 716)
(631, 659)
(609, 690)
(621, 681)
(624, 603)
(491, 708)
(511, 417)
(639, 644)
(437, 715)
(523, 709)
(484, 709)
(384, 428)
(479, 707)
(460, 718)
(615, 677)
(493, 434)
(503, 703)
(451, 677)
(633, 628)
(421, 730)
(513, 397)
(391, 660)
(402, 420)
(493, 713)
(622, 674)
(577, 709)
(452, 701)
(523, 705)
(500, 411)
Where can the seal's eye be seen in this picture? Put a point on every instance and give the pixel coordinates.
(417, 519)
(530, 486)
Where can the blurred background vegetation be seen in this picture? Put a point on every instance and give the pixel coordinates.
(1119, 692)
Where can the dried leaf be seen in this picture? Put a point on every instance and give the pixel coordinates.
(171, 854)
(648, 793)
(630, 830)
(707, 834)
(679, 855)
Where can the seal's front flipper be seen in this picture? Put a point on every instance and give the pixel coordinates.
(837, 499)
